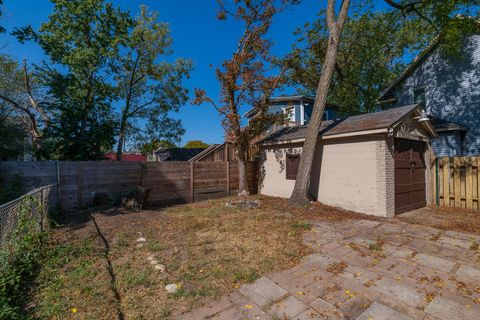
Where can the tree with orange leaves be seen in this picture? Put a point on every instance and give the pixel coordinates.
(244, 78)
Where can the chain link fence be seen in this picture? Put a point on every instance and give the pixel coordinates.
(37, 202)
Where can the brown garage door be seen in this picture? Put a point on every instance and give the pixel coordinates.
(409, 175)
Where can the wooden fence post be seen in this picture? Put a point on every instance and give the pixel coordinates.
(446, 182)
(57, 163)
(228, 177)
(456, 181)
(192, 180)
(469, 182)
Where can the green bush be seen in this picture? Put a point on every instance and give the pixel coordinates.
(19, 263)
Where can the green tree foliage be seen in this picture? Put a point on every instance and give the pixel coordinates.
(13, 133)
(196, 144)
(448, 20)
(150, 88)
(150, 147)
(374, 48)
(84, 38)
(2, 29)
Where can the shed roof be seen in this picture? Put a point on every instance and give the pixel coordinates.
(355, 124)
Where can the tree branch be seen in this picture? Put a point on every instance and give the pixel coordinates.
(32, 100)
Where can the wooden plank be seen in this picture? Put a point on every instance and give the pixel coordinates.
(80, 187)
(433, 182)
(478, 183)
(446, 182)
(457, 186)
(192, 182)
(469, 182)
(227, 166)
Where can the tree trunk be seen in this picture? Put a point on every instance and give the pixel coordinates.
(300, 195)
(242, 169)
(121, 133)
(242, 176)
(121, 139)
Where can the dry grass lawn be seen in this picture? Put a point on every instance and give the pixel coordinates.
(208, 250)
(96, 269)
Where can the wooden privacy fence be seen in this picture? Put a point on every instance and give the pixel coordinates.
(175, 181)
(456, 182)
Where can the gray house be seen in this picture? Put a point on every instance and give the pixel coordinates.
(448, 88)
(298, 107)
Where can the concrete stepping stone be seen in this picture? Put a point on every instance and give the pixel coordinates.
(380, 311)
(401, 291)
(434, 262)
(468, 272)
(263, 291)
(367, 223)
(450, 307)
(287, 308)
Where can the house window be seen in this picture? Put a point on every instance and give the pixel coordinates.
(293, 160)
(419, 97)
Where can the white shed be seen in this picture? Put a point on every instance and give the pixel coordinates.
(375, 163)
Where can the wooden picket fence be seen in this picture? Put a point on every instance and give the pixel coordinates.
(170, 182)
(455, 182)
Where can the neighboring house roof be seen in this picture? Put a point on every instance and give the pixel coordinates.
(211, 148)
(125, 156)
(355, 125)
(281, 99)
(177, 154)
(441, 125)
(411, 68)
(286, 100)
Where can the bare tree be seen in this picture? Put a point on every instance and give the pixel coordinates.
(300, 194)
(16, 90)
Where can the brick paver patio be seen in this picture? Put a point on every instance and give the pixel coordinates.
(366, 270)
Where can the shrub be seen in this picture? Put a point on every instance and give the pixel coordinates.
(19, 262)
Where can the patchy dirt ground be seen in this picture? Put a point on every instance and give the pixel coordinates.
(97, 269)
(445, 219)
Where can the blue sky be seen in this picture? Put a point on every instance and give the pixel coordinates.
(196, 34)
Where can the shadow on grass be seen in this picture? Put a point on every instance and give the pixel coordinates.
(113, 279)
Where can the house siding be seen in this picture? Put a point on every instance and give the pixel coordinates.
(452, 90)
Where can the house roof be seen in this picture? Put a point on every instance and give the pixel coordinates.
(177, 154)
(411, 67)
(281, 99)
(205, 152)
(365, 123)
(444, 125)
(287, 99)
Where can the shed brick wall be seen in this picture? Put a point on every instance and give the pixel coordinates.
(385, 177)
(351, 176)
(355, 174)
